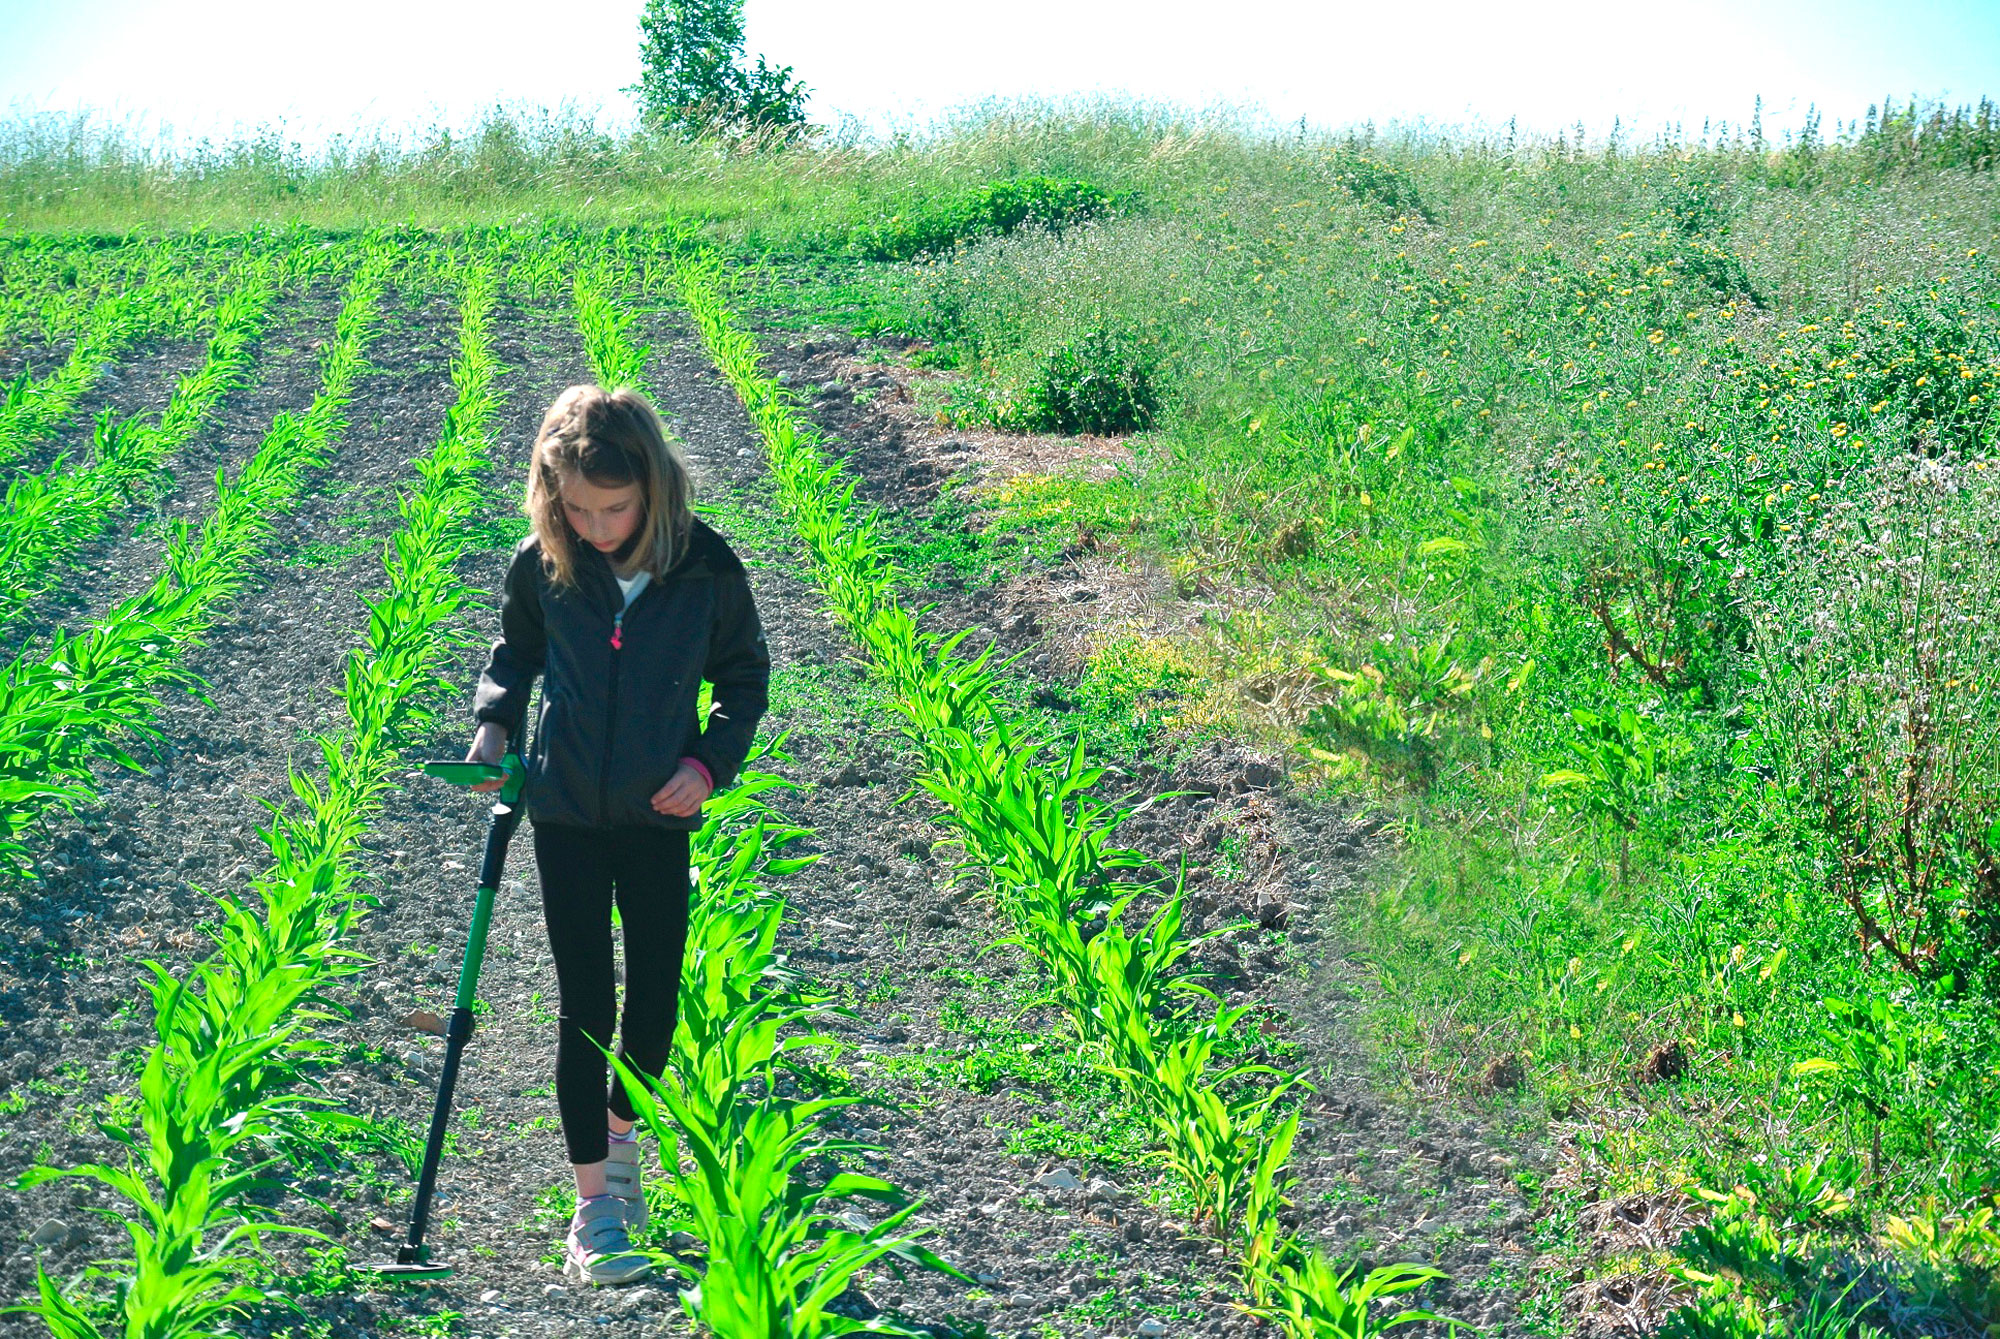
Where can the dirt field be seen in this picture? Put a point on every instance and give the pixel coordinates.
(970, 1068)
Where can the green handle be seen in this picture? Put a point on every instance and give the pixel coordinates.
(475, 950)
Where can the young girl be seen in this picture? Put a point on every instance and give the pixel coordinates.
(625, 603)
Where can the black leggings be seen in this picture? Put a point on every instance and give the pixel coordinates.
(580, 869)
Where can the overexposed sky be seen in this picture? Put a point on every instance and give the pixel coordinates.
(213, 67)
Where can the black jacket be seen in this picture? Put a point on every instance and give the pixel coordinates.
(616, 721)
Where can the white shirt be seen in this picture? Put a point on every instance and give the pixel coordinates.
(632, 585)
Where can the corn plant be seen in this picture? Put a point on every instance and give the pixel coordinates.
(615, 359)
(777, 1255)
(1309, 1300)
(1218, 1133)
(740, 1152)
(233, 1033)
(49, 515)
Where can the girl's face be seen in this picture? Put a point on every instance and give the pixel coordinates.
(605, 517)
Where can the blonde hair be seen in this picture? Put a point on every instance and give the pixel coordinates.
(611, 438)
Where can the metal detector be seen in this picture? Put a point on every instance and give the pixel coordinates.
(413, 1260)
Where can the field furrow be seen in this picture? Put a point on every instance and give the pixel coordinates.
(80, 698)
(420, 865)
(48, 518)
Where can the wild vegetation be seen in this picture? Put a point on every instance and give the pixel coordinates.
(1617, 521)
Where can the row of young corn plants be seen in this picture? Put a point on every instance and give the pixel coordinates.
(1027, 819)
(72, 701)
(742, 1142)
(169, 297)
(50, 283)
(218, 1092)
(49, 515)
(743, 1139)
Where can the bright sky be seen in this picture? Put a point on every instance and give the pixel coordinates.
(213, 66)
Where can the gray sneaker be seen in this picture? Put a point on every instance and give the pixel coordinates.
(599, 1251)
(621, 1178)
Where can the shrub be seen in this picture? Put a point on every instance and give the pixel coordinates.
(1369, 179)
(1877, 669)
(1103, 381)
(995, 209)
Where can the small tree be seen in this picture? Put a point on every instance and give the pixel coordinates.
(693, 78)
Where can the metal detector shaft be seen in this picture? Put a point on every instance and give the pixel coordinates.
(506, 816)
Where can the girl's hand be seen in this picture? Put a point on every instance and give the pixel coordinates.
(682, 797)
(489, 745)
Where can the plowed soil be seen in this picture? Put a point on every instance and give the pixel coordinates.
(1063, 1242)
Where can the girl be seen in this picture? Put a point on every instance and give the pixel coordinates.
(625, 602)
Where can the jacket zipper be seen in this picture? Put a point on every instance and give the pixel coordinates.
(611, 699)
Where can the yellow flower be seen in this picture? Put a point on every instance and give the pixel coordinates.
(1656, 337)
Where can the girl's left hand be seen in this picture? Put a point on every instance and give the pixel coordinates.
(681, 797)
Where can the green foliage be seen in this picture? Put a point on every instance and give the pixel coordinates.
(1101, 382)
(1380, 183)
(233, 1033)
(693, 79)
(939, 223)
(1306, 1297)
(614, 359)
(1622, 430)
(1916, 138)
(1877, 682)
(1760, 1274)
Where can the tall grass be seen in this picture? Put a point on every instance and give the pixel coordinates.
(83, 172)
(1603, 516)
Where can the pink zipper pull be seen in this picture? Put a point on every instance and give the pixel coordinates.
(618, 632)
